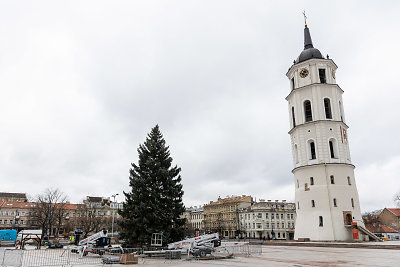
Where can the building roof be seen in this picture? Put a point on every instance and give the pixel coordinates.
(395, 211)
(29, 205)
(94, 199)
(16, 195)
(230, 200)
(309, 51)
(380, 228)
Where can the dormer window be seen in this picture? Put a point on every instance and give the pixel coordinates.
(322, 75)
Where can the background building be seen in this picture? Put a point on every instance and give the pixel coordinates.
(268, 220)
(13, 197)
(222, 216)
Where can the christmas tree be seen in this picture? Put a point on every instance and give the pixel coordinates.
(154, 203)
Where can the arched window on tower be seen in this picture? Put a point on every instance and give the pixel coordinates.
(312, 154)
(296, 154)
(341, 111)
(328, 110)
(293, 118)
(307, 110)
(333, 148)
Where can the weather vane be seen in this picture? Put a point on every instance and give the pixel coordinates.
(305, 17)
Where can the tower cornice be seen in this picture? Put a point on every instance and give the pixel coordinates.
(322, 164)
(308, 62)
(311, 85)
(315, 122)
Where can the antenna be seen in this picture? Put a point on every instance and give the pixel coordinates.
(305, 17)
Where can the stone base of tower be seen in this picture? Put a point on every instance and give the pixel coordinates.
(328, 205)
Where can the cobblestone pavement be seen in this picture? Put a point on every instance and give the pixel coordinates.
(297, 256)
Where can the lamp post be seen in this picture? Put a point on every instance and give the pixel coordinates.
(112, 224)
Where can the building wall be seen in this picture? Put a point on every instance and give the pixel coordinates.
(268, 220)
(388, 218)
(222, 216)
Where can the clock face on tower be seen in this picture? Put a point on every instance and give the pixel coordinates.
(303, 73)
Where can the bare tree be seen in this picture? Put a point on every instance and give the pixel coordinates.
(48, 211)
(90, 220)
(371, 218)
(397, 199)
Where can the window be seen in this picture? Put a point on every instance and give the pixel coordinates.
(352, 203)
(312, 150)
(331, 149)
(283, 235)
(311, 180)
(321, 221)
(293, 118)
(322, 75)
(279, 235)
(307, 110)
(348, 180)
(340, 111)
(277, 225)
(5, 221)
(1, 221)
(21, 222)
(328, 111)
(298, 205)
(272, 216)
(313, 203)
(282, 216)
(266, 215)
(267, 224)
(259, 216)
(288, 216)
(332, 179)
(334, 202)
(292, 80)
(291, 216)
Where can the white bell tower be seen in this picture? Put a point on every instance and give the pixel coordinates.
(326, 193)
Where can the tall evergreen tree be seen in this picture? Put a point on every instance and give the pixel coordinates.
(154, 203)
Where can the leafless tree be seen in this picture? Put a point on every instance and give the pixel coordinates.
(371, 218)
(397, 199)
(48, 211)
(90, 220)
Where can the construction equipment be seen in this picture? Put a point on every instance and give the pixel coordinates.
(95, 244)
(198, 246)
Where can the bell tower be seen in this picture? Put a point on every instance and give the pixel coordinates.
(326, 194)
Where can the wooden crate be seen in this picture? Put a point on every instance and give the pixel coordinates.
(129, 259)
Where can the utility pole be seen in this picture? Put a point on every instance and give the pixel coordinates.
(112, 224)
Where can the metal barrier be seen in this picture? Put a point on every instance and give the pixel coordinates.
(58, 257)
(71, 257)
(241, 249)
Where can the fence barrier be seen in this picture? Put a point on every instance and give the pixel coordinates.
(70, 257)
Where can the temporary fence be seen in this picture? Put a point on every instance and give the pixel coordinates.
(71, 256)
(241, 249)
(59, 257)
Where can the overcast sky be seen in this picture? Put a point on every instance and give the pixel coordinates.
(83, 82)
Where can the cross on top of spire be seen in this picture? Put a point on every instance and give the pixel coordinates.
(305, 18)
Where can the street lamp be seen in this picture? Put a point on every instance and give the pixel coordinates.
(112, 225)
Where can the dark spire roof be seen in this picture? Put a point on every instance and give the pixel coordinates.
(309, 51)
